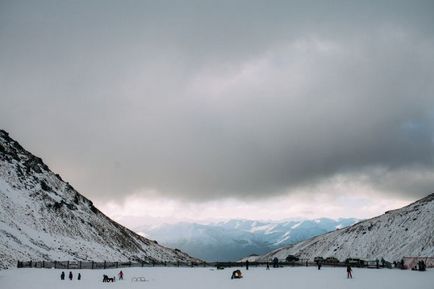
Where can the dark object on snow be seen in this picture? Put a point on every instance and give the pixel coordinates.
(318, 259)
(356, 262)
(62, 276)
(121, 275)
(422, 265)
(275, 262)
(331, 260)
(349, 270)
(268, 266)
(220, 267)
(292, 258)
(70, 275)
(319, 265)
(237, 274)
(247, 264)
(107, 279)
(79, 276)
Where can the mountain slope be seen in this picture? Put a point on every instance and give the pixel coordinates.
(233, 239)
(408, 231)
(44, 218)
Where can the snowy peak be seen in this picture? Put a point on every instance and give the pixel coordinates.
(44, 218)
(408, 231)
(234, 239)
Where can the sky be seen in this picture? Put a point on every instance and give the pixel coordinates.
(163, 111)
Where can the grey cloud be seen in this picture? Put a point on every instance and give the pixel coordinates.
(204, 100)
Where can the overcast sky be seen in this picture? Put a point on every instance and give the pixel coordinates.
(217, 109)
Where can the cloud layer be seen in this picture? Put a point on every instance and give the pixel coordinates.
(203, 100)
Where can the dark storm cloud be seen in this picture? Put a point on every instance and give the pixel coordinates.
(204, 100)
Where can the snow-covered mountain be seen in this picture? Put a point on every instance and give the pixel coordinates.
(408, 231)
(43, 217)
(234, 239)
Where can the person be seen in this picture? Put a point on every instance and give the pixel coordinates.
(319, 265)
(349, 270)
(236, 274)
(62, 276)
(70, 275)
(275, 262)
(422, 265)
(121, 275)
(247, 264)
(268, 266)
(79, 276)
(108, 279)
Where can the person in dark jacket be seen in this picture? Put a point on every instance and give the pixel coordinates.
(79, 276)
(247, 264)
(70, 275)
(349, 270)
(237, 274)
(422, 265)
(62, 276)
(121, 275)
(275, 262)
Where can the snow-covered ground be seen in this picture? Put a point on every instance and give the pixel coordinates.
(209, 278)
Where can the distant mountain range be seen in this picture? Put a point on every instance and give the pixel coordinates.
(43, 217)
(405, 232)
(234, 239)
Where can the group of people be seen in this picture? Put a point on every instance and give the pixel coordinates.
(235, 274)
(71, 276)
(238, 275)
(421, 266)
(106, 278)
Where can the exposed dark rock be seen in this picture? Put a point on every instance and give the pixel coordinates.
(45, 186)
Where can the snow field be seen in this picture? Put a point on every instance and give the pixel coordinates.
(210, 278)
